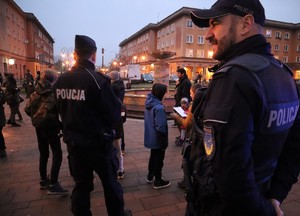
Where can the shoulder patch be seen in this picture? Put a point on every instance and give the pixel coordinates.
(209, 142)
(251, 62)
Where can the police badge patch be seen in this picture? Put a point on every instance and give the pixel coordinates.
(209, 142)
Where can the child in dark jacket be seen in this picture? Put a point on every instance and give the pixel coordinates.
(156, 134)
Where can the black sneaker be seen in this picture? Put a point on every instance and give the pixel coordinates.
(181, 184)
(158, 184)
(56, 189)
(121, 174)
(149, 179)
(127, 212)
(44, 184)
(3, 153)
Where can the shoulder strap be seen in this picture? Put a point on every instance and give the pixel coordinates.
(251, 62)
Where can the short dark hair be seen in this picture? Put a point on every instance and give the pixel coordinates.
(181, 70)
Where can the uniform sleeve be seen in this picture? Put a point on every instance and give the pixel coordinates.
(229, 134)
(288, 168)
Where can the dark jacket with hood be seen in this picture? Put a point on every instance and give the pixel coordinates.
(155, 124)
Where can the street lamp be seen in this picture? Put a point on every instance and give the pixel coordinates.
(11, 62)
(67, 57)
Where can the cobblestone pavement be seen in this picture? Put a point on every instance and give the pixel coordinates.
(19, 178)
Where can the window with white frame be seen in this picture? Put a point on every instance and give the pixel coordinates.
(286, 48)
(173, 27)
(268, 33)
(162, 44)
(200, 53)
(285, 59)
(278, 35)
(167, 43)
(286, 35)
(298, 48)
(172, 41)
(189, 39)
(298, 59)
(158, 34)
(189, 53)
(277, 47)
(200, 39)
(189, 23)
(168, 29)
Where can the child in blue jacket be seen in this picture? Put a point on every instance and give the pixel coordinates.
(156, 134)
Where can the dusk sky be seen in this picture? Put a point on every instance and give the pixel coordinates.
(112, 21)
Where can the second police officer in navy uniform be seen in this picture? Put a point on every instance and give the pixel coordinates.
(250, 154)
(88, 109)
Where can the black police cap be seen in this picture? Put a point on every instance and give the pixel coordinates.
(83, 42)
(225, 7)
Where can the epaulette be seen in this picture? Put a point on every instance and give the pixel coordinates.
(251, 62)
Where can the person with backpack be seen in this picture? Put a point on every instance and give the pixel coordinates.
(41, 107)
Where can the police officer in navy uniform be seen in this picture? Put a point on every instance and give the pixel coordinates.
(88, 109)
(250, 148)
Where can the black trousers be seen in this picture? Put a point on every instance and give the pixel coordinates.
(2, 142)
(156, 163)
(48, 137)
(82, 163)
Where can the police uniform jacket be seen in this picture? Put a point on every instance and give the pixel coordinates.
(250, 107)
(87, 105)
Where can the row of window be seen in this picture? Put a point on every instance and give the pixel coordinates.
(14, 18)
(165, 31)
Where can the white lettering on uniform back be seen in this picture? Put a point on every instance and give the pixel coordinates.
(70, 94)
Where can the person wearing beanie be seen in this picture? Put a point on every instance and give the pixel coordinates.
(41, 107)
(88, 109)
(156, 134)
(249, 121)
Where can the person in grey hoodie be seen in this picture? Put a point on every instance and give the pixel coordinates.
(156, 134)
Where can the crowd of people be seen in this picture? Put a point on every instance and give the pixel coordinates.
(239, 136)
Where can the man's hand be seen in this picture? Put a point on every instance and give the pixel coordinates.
(276, 205)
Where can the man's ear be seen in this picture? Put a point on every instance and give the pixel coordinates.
(247, 23)
(93, 57)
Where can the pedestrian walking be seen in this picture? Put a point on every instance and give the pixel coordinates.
(88, 110)
(249, 119)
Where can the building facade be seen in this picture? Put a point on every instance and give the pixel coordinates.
(24, 42)
(177, 33)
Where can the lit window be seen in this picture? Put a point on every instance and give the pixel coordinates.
(189, 53)
(200, 53)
